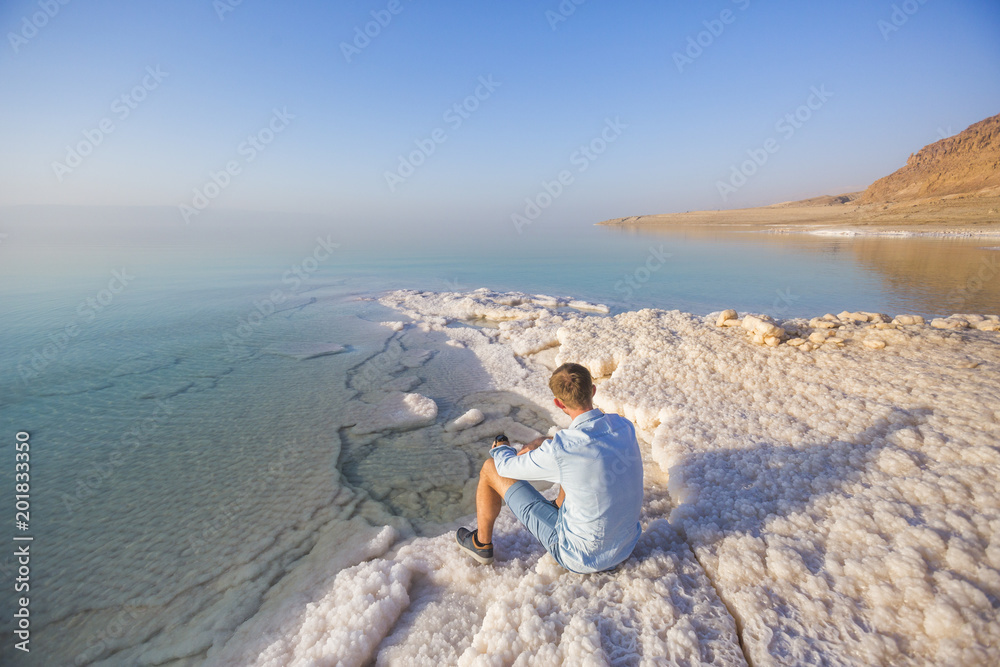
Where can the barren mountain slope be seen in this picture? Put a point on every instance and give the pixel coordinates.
(966, 163)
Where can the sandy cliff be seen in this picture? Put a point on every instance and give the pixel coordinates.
(950, 185)
(965, 164)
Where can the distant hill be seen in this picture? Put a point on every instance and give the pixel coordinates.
(952, 183)
(824, 200)
(967, 163)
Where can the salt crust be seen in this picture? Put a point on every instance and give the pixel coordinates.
(426, 604)
(843, 504)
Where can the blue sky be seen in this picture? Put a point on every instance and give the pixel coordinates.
(342, 122)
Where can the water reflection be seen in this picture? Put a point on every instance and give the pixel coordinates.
(924, 275)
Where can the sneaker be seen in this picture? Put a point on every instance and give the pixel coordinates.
(465, 538)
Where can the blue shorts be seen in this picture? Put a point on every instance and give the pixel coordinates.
(537, 514)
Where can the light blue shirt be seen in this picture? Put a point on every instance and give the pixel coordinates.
(597, 462)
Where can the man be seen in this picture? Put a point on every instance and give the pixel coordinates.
(594, 523)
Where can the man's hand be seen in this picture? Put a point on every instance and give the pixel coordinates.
(533, 445)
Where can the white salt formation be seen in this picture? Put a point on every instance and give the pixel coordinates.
(426, 604)
(396, 412)
(871, 330)
(818, 491)
(470, 418)
(484, 304)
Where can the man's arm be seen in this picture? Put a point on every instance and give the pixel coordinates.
(533, 445)
(536, 464)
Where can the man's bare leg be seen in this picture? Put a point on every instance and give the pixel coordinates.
(489, 499)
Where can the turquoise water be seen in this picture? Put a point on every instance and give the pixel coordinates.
(159, 382)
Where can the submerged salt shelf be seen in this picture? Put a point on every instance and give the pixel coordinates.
(834, 505)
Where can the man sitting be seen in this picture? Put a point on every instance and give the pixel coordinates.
(594, 523)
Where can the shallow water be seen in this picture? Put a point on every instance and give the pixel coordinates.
(186, 429)
(930, 276)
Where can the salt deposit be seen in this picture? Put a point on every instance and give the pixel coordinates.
(396, 412)
(470, 418)
(828, 497)
(425, 604)
(726, 316)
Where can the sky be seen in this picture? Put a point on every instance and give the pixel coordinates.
(393, 113)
